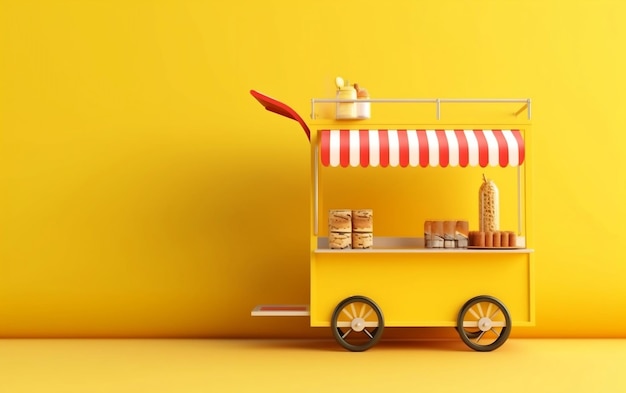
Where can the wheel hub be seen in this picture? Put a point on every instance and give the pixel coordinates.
(357, 324)
(484, 324)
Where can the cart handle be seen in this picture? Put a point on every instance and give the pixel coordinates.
(278, 107)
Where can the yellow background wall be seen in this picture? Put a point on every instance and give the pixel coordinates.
(143, 192)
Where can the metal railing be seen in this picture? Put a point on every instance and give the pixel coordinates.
(437, 101)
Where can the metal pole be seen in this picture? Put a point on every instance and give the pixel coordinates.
(519, 201)
(315, 191)
(520, 110)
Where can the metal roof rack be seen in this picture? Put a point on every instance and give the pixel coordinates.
(437, 101)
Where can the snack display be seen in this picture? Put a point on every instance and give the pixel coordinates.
(350, 228)
(496, 239)
(488, 206)
(446, 234)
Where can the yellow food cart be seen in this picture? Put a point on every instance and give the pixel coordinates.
(398, 282)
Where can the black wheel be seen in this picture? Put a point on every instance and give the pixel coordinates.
(470, 333)
(484, 323)
(357, 323)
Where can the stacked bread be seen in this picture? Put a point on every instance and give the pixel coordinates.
(340, 229)
(362, 228)
(350, 228)
(446, 234)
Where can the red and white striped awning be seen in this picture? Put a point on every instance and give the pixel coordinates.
(421, 147)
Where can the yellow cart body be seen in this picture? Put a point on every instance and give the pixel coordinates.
(407, 284)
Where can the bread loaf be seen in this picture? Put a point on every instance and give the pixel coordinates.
(504, 241)
(340, 220)
(362, 240)
(497, 239)
(449, 231)
(480, 239)
(461, 234)
(488, 239)
(362, 220)
(436, 234)
(446, 234)
(427, 234)
(339, 240)
(512, 239)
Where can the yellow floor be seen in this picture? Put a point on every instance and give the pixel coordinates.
(520, 365)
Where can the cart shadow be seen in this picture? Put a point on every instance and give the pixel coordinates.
(453, 345)
(383, 345)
